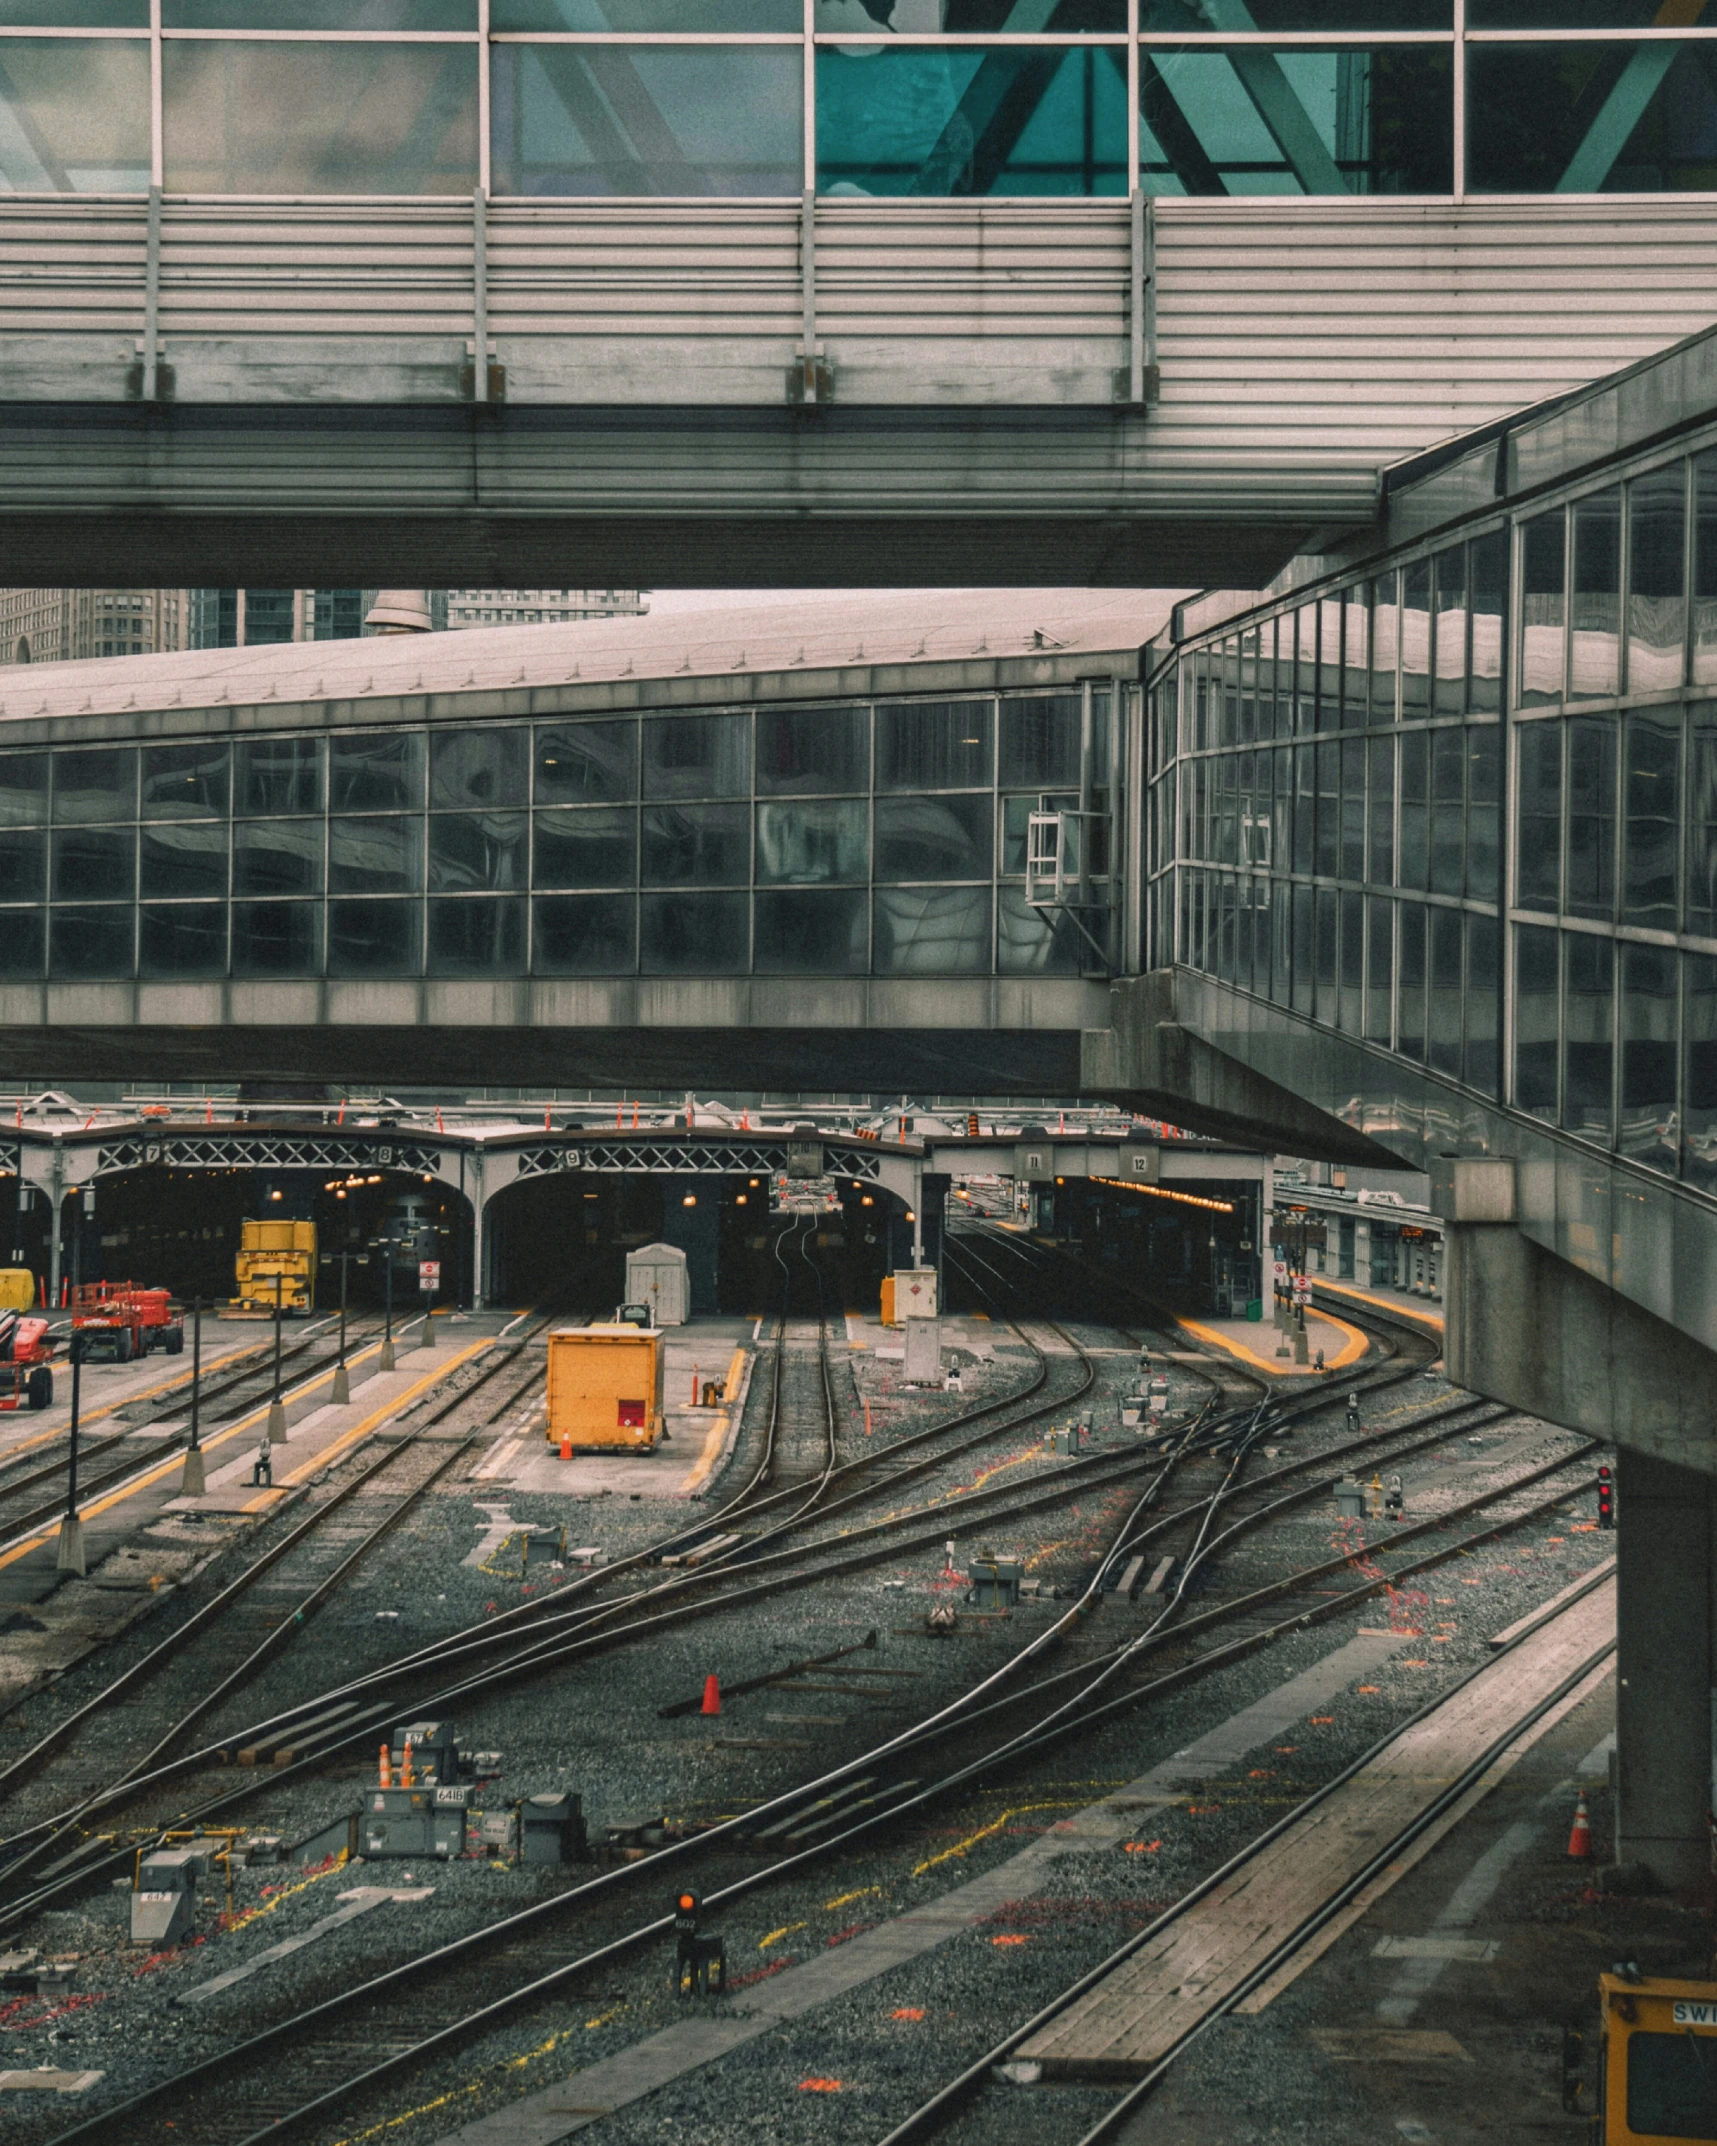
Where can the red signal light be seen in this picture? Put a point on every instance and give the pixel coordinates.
(1606, 1498)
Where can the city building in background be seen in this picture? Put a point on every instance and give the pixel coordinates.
(259, 618)
(540, 607)
(68, 625)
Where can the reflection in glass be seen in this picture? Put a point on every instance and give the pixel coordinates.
(939, 120)
(183, 939)
(694, 934)
(1539, 865)
(1324, 930)
(74, 115)
(277, 938)
(1040, 740)
(938, 837)
(1488, 556)
(1648, 1131)
(1379, 968)
(863, 19)
(1651, 793)
(374, 938)
(1657, 515)
(1481, 1004)
(100, 784)
(1535, 1021)
(639, 17)
(1037, 943)
(1164, 17)
(1448, 809)
(476, 938)
(182, 862)
(1415, 810)
(1592, 818)
(1705, 568)
(186, 782)
(808, 844)
(1543, 572)
(76, 14)
(1699, 1073)
(23, 789)
(1351, 1013)
(92, 942)
(23, 939)
(484, 767)
(934, 745)
(1249, 120)
(277, 857)
(381, 771)
(321, 15)
(1588, 1046)
(1416, 641)
(697, 756)
(94, 864)
(584, 935)
(931, 931)
(1595, 611)
(587, 763)
(1380, 811)
(1328, 775)
(696, 845)
(1702, 821)
(23, 866)
(265, 118)
(1444, 1024)
(1450, 570)
(476, 851)
(1410, 999)
(594, 848)
(813, 752)
(668, 120)
(379, 856)
(1605, 118)
(1385, 647)
(819, 932)
(279, 775)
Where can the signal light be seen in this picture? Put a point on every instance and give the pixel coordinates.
(1606, 1498)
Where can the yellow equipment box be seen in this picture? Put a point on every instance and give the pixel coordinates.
(268, 1250)
(605, 1388)
(17, 1289)
(1659, 2057)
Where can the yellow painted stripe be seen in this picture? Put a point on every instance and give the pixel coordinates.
(1352, 1349)
(88, 1416)
(1432, 1319)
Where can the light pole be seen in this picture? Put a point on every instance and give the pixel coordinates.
(193, 1485)
(277, 1407)
(68, 1557)
(342, 1382)
(387, 1297)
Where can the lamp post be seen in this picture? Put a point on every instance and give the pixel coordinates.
(277, 1407)
(193, 1485)
(387, 1297)
(342, 1381)
(68, 1557)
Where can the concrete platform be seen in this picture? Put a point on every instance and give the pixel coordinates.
(108, 1387)
(1255, 1342)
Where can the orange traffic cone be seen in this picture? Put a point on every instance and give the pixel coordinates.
(712, 1694)
(405, 1780)
(385, 1777)
(1580, 1839)
(566, 1445)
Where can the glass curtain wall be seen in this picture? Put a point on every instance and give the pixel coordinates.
(884, 839)
(856, 98)
(1328, 823)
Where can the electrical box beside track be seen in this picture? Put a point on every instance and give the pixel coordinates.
(1658, 2076)
(605, 1388)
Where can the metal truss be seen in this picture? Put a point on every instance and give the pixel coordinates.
(264, 1151)
(686, 1158)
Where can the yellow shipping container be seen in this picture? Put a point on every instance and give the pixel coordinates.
(605, 1388)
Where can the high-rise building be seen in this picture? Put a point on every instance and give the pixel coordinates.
(259, 618)
(66, 625)
(540, 607)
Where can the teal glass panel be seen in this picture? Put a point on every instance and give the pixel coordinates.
(969, 18)
(379, 16)
(669, 120)
(75, 14)
(1606, 119)
(646, 17)
(305, 118)
(933, 120)
(1585, 14)
(1249, 120)
(76, 115)
(1163, 18)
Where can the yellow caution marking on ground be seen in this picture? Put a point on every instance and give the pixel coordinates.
(1433, 1319)
(963, 1847)
(845, 1900)
(775, 1936)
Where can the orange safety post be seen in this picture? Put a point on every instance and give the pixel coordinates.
(712, 1694)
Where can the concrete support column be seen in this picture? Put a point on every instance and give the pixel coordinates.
(479, 1253)
(1664, 1572)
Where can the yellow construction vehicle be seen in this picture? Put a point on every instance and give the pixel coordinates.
(276, 1254)
(1658, 2076)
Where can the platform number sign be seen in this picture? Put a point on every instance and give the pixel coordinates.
(428, 1275)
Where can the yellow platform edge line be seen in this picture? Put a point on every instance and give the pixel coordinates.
(1433, 1319)
(718, 1430)
(1352, 1350)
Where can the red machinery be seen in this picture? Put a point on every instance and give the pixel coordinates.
(121, 1320)
(26, 1377)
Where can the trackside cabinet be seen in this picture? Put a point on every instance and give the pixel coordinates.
(1658, 2081)
(605, 1388)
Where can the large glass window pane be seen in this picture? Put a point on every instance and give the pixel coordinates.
(1449, 695)
(375, 856)
(587, 763)
(75, 14)
(815, 932)
(647, 119)
(1649, 990)
(697, 756)
(1379, 968)
(1301, 968)
(321, 15)
(23, 937)
(1328, 776)
(934, 745)
(1325, 919)
(1657, 520)
(23, 789)
(1331, 640)
(100, 784)
(1037, 942)
(1705, 568)
(1588, 1028)
(931, 931)
(696, 845)
(694, 934)
(277, 938)
(23, 866)
(1351, 1013)
(1595, 612)
(1385, 646)
(474, 937)
(1539, 864)
(1410, 998)
(1416, 642)
(594, 848)
(1543, 582)
(813, 752)
(183, 939)
(185, 782)
(1489, 596)
(809, 844)
(279, 775)
(277, 857)
(639, 17)
(1040, 741)
(1351, 863)
(1652, 827)
(266, 118)
(1481, 1004)
(92, 943)
(1484, 811)
(1699, 1073)
(1306, 668)
(1444, 1024)
(1249, 120)
(1536, 1027)
(934, 120)
(478, 769)
(1448, 810)
(181, 862)
(1415, 809)
(94, 864)
(374, 938)
(584, 935)
(1591, 888)
(376, 772)
(1702, 820)
(1577, 14)
(1380, 811)
(471, 852)
(1605, 118)
(76, 113)
(1305, 809)
(971, 17)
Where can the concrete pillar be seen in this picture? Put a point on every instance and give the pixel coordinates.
(1664, 1611)
(479, 1253)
